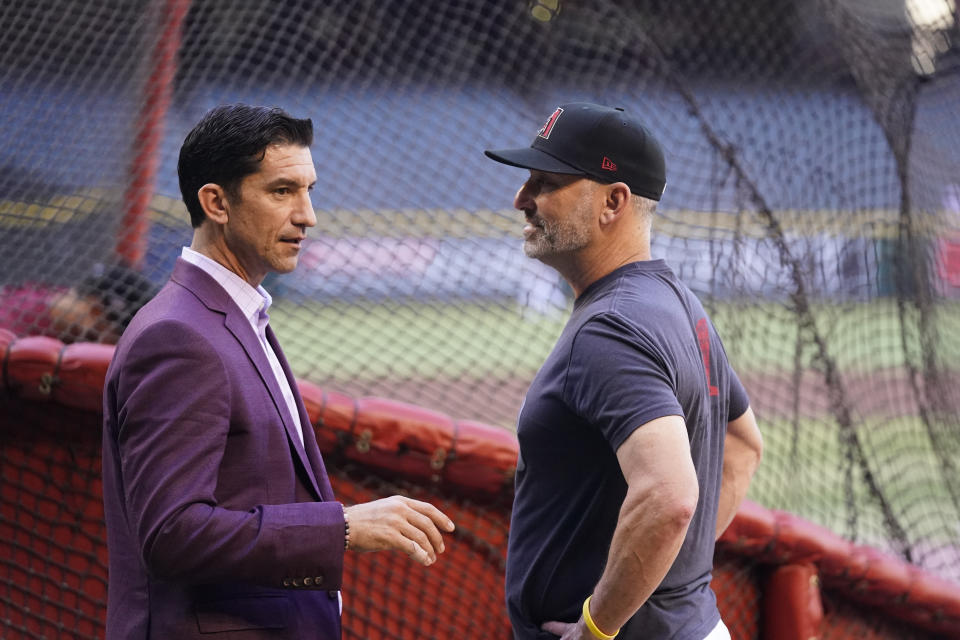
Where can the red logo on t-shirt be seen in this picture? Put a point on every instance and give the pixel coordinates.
(703, 337)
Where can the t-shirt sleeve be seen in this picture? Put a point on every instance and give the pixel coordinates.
(616, 380)
(738, 401)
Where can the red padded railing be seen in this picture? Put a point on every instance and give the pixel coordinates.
(777, 575)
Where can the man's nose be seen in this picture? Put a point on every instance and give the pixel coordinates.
(523, 200)
(305, 214)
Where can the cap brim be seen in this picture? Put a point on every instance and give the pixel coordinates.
(530, 158)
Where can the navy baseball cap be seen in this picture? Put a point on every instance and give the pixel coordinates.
(603, 143)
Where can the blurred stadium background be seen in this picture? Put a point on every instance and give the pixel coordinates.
(813, 201)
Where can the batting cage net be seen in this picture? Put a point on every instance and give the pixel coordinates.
(812, 201)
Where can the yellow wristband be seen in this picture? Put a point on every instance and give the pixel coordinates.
(593, 625)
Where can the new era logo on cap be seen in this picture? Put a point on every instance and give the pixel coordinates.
(548, 127)
(608, 165)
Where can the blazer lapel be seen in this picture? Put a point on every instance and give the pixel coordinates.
(241, 329)
(310, 446)
(213, 295)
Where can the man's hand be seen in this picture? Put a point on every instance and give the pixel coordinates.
(399, 523)
(568, 630)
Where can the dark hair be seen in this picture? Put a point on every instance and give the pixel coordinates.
(228, 144)
(120, 290)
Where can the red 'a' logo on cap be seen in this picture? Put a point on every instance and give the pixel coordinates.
(548, 127)
(608, 165)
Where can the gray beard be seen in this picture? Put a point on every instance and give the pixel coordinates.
(555, 238)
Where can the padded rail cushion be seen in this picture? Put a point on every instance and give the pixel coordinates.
(424, 446)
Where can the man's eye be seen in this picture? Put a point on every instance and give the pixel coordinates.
(282, 191)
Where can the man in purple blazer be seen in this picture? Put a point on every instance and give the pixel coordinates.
(220, 516)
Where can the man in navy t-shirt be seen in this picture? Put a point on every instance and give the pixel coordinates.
(637, 441)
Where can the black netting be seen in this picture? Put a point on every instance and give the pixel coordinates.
(813, 200)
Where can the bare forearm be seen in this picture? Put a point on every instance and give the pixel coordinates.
(732, 492)
(662, 494)
(742, 450)
(644, 546)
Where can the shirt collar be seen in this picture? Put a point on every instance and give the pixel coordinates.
(253, 301)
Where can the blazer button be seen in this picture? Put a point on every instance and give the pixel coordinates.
(318, 580)
(296, 582)
(332, 595)
(307, 581)
(286, 582)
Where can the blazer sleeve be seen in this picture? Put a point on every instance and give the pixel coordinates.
(172, 421)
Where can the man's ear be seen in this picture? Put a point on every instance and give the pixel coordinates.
(213, 199)
(616, 202)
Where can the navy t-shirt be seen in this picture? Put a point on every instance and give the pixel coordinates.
(638, 346)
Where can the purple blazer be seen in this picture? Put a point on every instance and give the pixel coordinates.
(218, 520)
